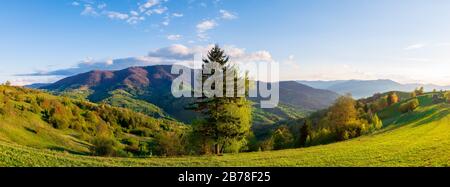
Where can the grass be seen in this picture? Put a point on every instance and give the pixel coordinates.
(407, 140)
(33, 132)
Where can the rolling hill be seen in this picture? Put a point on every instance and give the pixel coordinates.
(419, 138)
(148, 90)
(40, 120)
(366, 88)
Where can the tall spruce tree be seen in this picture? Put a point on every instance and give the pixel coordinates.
(225, 120)
(305, 131)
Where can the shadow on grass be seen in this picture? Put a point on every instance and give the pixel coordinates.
(62, 149)
(409, 118)
(31, 130)
(436, 117)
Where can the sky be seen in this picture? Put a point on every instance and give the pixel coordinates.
(404, 40)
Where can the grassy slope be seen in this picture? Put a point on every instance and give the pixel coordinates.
(421, 138)
(34, 133)
(27, 127)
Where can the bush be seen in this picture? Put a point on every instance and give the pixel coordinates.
(447, 96)
(103, 146)
(59, 122)
(132, 145)
(321, 136)
(143, 132)
(266, 145)
(349, 131)
(282, 138)
(409, 106)
(375, 123)
(169, 144)
(252, 143)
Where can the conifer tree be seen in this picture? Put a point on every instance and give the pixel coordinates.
(305, 131)
(225, 120)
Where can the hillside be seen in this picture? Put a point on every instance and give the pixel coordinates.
(419, 138)
(37, 119)
(366, 88)
(148, 90)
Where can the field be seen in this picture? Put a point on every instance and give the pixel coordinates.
(420, 138)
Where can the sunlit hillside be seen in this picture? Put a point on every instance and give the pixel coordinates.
(419, 138)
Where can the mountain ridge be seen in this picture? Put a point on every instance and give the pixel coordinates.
(366, 88)
(152, 84)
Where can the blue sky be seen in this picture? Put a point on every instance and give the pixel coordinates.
(404, 40)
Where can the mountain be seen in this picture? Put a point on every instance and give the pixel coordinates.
(366, 88)
(37, 85)
(304, 97)
(151, 86)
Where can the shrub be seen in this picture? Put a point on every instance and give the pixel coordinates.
(419, 91)
(266, 145)
(143, 132)
(392, 98)
(322, 136)
(409, 106)
(447, 96)
(103, 146)
(132, 145)
(282, 138)
(169, 144)
(375, 123)
(59, 122)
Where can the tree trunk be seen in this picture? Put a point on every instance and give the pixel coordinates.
(217, 149)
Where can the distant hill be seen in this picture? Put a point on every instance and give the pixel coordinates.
(37, 85)
(304, 97)
(151, 86)
(143, 85)
(366, 88)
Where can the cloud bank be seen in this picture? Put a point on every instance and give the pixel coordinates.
(174, 54)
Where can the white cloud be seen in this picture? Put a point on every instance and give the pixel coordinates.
(102, 6)
(134, 13)
(135, 20)
(28, 80)
(227, 15)
(240, 54)
(132, 18)
(177, 15)
(174, 54)
(75, 3)
(160, 10)
(166, 22)
(89, 11)
(209, 24)
(177, 51)
(202, 36)
(174, 37)
(117, 15)
(206, 25)
(147, 5)
(415, 46)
